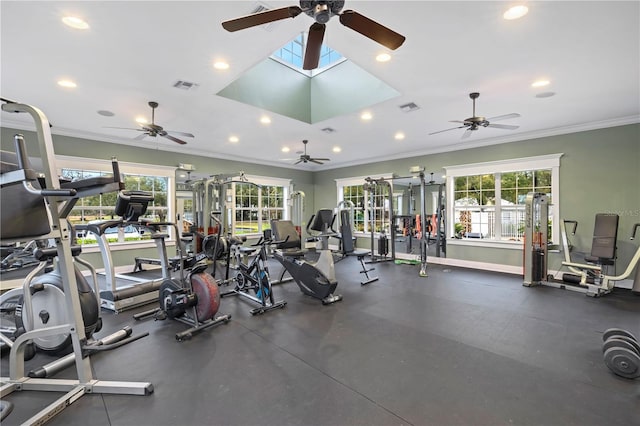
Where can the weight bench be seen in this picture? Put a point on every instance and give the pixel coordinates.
(348, 248)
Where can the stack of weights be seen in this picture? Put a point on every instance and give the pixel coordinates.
(621, 353)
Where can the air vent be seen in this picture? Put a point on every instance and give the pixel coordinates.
(409, 107)
(185, 85)
(328, 130)
(259, 8)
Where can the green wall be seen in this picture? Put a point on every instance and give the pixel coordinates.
(599, 173)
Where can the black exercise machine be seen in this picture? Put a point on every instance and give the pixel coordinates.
(254, 276)
(193, 299)
(311, 280)
(121, 291)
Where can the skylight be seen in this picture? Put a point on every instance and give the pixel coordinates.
(292, 54)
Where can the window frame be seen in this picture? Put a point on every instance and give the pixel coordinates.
(260, 181)
(541, 162)
(360, 181)
(127, 168)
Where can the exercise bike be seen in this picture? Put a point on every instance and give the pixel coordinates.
(314, 279)
(254, 276)
(193, 299)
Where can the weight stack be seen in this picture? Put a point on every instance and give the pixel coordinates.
(537, 264)
(383, 245)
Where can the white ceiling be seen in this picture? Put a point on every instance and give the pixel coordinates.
(135, 51)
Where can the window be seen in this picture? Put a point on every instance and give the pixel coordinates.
(155, 179)
(355, 195)
(292, 55)
(371, 204)
(257, 202)
(486, 200)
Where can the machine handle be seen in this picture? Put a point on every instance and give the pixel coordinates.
(575, 225)
(635, 228)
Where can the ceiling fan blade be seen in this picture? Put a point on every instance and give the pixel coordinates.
(176, 140)
(313, 160)
(261, 18)
(189, 135)
(446, 130)
(369, 28)
(457, 121)
(320, 159)
(504, 117)
(314, 45)
(123, 128)
(141, 136)
(503, 126)
(466, 134)
(298, 162)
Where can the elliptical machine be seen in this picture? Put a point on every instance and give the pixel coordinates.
(193, 299)
(314, 279)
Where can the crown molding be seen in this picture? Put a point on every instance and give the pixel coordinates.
(584, 127)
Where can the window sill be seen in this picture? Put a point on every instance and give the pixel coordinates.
(510, 245)
(473, 242)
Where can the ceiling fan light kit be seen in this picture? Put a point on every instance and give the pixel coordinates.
(321, 12)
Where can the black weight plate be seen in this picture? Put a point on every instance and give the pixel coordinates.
(617, 332)
(614, 342)
(623, 362)
(632, 342)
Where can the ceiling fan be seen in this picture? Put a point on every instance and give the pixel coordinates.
(475, 122)
(305, 158)
(153, 130)
(321, 12)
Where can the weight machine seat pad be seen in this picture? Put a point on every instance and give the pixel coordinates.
(22, 214)
(605, 234)
(359, 253)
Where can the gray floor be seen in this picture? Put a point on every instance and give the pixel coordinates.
(460, 347)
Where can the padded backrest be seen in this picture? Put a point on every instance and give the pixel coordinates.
(22, 214)
(605, 234)
(283, 229)
(322, 221)
(346, 232)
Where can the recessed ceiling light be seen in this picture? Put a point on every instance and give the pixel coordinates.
(515, 12)
(141, 120)
(75, 22)
(221, 65)
(67, 83)
(337, 149)
(383, 57)
(540, 83)
(399, 136)
(366, 116)
(265, 120)
(234, 139)
(285, 149)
